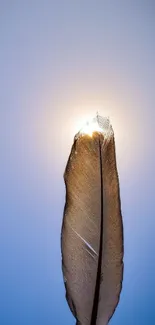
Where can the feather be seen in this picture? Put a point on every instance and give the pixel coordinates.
(92, 229)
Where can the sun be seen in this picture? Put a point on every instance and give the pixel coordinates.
(90, 127)
(97, 124)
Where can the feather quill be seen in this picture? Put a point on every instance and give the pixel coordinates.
(92, 229)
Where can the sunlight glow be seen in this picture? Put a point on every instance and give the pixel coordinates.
(91, 127)
(97, 124)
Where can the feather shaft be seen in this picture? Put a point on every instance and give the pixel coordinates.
(98, 278)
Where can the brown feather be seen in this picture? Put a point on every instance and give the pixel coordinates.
(92, 230)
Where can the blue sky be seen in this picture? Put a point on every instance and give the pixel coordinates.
(60, 61)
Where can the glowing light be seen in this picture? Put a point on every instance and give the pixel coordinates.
(97, 124)
(91, 127)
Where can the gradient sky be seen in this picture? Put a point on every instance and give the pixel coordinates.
(60, 61)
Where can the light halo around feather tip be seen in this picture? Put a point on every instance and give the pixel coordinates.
(98, 124)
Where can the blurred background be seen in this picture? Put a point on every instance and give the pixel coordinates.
(60, 62)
